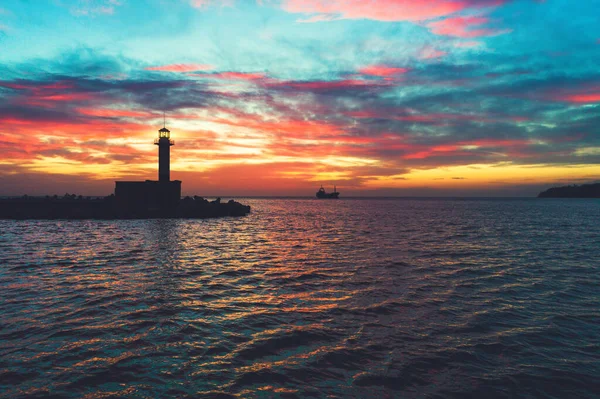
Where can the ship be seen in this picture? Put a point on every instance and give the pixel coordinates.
(321, 194)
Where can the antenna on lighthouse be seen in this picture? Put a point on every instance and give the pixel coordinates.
(164, 119)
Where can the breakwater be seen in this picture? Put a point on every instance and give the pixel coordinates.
(79, 207)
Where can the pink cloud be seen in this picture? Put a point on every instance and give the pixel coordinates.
(67, 97)
(231, 75)
(239, 75)
(425, 151)
(199, 3)
(382, 70)
(38, 89)
(587, 98)
(47, 95)
(463, 27)
(588, 93)
(429, 53)
(180, 67)
(385, 10)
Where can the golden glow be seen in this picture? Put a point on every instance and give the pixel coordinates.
(248, 152)
(64, 166)
(481, 175)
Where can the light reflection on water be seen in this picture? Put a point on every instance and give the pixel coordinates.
(307, 298)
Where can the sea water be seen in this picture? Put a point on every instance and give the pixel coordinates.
(373, 298)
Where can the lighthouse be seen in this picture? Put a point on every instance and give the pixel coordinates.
(151, 198)
(164, 144)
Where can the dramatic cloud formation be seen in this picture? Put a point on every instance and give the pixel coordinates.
(446, 97)
(386, 10)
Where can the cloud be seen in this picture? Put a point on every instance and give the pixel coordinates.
(318, 18)
(95, 7)
(580, 94)
(384, 10)
(382, 70)
(180, 67)
(430, 53)
(232, 75)
(116, 113)
(359, 128)
(329, 87)
(583, 98)
(208, 3)
(557, 89)
(464, 27)
(467, 44)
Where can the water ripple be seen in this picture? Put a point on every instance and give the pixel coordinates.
(306, 298)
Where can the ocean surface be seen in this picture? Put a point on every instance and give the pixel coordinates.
(355, 298)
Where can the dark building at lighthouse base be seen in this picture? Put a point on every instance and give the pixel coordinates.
(147, 198)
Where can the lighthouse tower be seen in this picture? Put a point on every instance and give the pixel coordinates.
(151, 198)
(164, 144)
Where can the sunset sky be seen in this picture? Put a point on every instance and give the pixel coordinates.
(276, 97)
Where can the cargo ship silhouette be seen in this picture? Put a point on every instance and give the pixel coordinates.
(321, 194)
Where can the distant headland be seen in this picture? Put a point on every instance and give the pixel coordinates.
(131, 200)
(582, 191)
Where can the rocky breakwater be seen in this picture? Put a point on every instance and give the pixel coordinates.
(71, 206)
(198, 207)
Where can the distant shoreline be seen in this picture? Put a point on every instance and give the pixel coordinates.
(574, 191)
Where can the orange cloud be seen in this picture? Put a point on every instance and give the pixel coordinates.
(115, 113)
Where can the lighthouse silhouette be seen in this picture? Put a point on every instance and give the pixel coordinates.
(164, 144)
(154, 198)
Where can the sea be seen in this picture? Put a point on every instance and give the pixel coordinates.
(307, 298)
